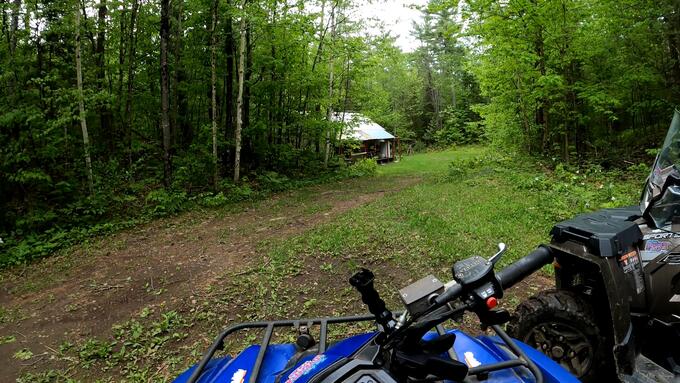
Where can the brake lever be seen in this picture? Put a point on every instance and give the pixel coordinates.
(501, 250)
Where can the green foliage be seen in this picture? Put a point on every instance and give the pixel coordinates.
(273, 181)
(36, 246)
(363, 168)
(573, 79)
(93, 350)
(23, 354)
(487, 163)
(162, 202)
(51, 376)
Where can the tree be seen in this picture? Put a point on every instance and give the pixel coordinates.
(81, 109)
(100, 48)
(331, 75)
(165, 90)
(243, 30)
(228, 82)
(213, 90)
(132, 47)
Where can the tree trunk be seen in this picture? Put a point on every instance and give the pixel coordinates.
(248, 75)
(229, 82)
(213, 91)
(165, 118)
(13, 31)
(81, 109)
(121, 65)
(5, 31)
(319, 50)
(181, 104)
(14, 27)
(542, 112)
(239, 102)
(104, 110)
(329, 109)
(131, 78)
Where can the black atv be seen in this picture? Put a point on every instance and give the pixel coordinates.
(615, 312)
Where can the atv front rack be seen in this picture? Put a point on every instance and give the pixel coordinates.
(269, 326)
(521, 360)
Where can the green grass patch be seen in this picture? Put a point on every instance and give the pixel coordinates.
(430, 163)
(470, 199)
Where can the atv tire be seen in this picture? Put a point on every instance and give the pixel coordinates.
(562, 325)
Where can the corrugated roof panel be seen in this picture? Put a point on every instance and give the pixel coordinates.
(361, 127)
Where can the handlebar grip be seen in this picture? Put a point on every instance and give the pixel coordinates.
(447, 296)
(525, 266)
(363, 282)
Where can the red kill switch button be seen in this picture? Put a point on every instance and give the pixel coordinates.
(491, 302)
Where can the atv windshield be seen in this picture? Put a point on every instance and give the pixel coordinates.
(667, 163)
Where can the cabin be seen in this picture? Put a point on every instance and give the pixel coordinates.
(361, 137)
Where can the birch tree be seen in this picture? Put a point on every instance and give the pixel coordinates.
(81, 109)
(243, 29)
(331, 75)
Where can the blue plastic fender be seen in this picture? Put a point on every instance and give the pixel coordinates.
(472, 351)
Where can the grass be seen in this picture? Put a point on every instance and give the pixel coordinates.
(439, 207)
(447, 217)
(430, 163)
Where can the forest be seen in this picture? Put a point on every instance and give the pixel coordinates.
(115, 110)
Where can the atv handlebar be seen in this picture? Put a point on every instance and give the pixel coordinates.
(525, 266)
(507, 277)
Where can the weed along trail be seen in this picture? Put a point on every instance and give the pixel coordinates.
(143, 304)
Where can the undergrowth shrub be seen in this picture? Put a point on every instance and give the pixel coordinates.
(163, 202)
(463, 167)
(273, 181)
(363, 168)
(568, 189)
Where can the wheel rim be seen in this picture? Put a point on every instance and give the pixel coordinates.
(564, 344)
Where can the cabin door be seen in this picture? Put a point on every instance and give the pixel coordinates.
(385, 150)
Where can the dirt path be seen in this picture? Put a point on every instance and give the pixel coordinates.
(167, 262)
(174, 264)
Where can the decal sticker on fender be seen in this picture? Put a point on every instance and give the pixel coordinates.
(630, 263)
(305, 368)
(654, 245)
(239, 376)
(661, 235)
(470, 360)
(654, 248)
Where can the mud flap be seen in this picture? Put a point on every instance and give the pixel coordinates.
(624, 353)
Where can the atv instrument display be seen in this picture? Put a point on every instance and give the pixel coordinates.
(615, 314)
(412, 346)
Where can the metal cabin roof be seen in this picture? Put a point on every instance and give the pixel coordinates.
(361, 128)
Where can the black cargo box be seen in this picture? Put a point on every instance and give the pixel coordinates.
(608, 232)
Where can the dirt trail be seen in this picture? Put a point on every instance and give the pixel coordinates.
(168, 262)
(172, 263)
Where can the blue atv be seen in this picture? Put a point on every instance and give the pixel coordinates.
(411, 346)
